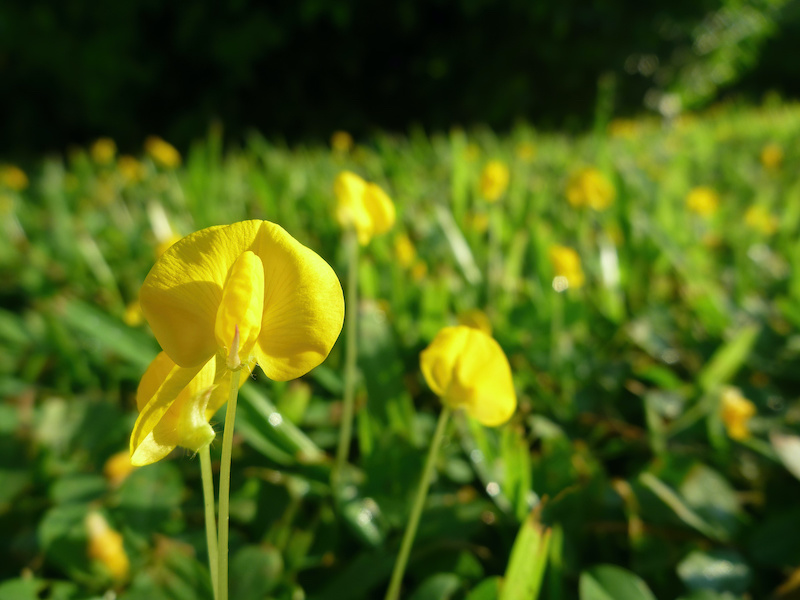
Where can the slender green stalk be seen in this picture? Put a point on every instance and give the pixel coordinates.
(225, 486)
(211, 521)
(351, 353)
(393, 593)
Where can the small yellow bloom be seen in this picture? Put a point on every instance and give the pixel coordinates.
(567, 266)
(760, 219)
(118, 467)
(526, 151)
(467, 369)
(341, 141)
(590, 187)
(133, 316)
(477, 319)
(478, 221)
(162, 152)
(363, 207)
(131, 169)
(494, 180)
(103, 151)
(222, 299)
(12, 177)
(404, 250)
(623, 128)
(736, 413)
(106, 547)
(772, 157)
(703, 201)
(419, 270)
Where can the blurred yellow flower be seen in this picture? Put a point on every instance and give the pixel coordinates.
(494, 180)
(222, 299)
(567, 266)
(341, 141)
(162, 152)
(419, 270)
(467, 369)
(103, 150)
(736, 413)
(118, 467)
(478, 221)
(131, 169)
(133, 316)
(772, 157)
(12, 177)
(361, 206)
(623, 128)
(590, 187)
(404, 250)
(106, 547)
(703, 201)
(760, 219)
(526, 151)
(477, 319)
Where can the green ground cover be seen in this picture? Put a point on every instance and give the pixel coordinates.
(631, 464)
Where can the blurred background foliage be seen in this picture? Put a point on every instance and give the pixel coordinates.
(305, 68)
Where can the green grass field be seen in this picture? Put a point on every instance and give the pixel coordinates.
(627, 472)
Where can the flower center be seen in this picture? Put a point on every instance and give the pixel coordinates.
(240, 312)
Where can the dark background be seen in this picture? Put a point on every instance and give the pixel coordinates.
(73, 70)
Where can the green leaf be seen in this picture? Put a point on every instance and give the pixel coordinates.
(441, 586)
(254, 572)
(488, 589)
(728, 359)
(610, 582)
(528, 561)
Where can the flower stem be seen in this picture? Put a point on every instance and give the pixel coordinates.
(225, 487)
(393, 593)
(351, 353)
(211, 522)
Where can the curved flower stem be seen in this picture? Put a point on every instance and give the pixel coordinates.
(393, 593)
(211, 522)
(351, 353)
(225, 486)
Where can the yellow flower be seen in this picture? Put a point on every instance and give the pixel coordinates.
(567, 266)
(772, 157)
(103, 150)
(478, 221)
(623, 128)
(467, 369)
(118, 467)
(162, 152)
(222, 299)
(341, 141)
(133, 316)
(526, 151)
(106, 547)
(131, 169)
(477, 319)
(589, 187)
(760, 219)
(362, 207)
(12, 177)
(419, 271)
(166, 243)
(494, 180)
(736, 413)
(703, 201)
(404, 250)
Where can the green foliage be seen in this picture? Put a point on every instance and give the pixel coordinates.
(621, 458)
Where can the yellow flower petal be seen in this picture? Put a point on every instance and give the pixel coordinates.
(380, 209)
(163, 390)
(467, 369)
(241, 308)
(303, 306)
(182, 293)
(494, 180)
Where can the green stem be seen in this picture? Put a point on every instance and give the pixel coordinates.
(225, 486)
(211, 522)
(351, 353)
(393, 593)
